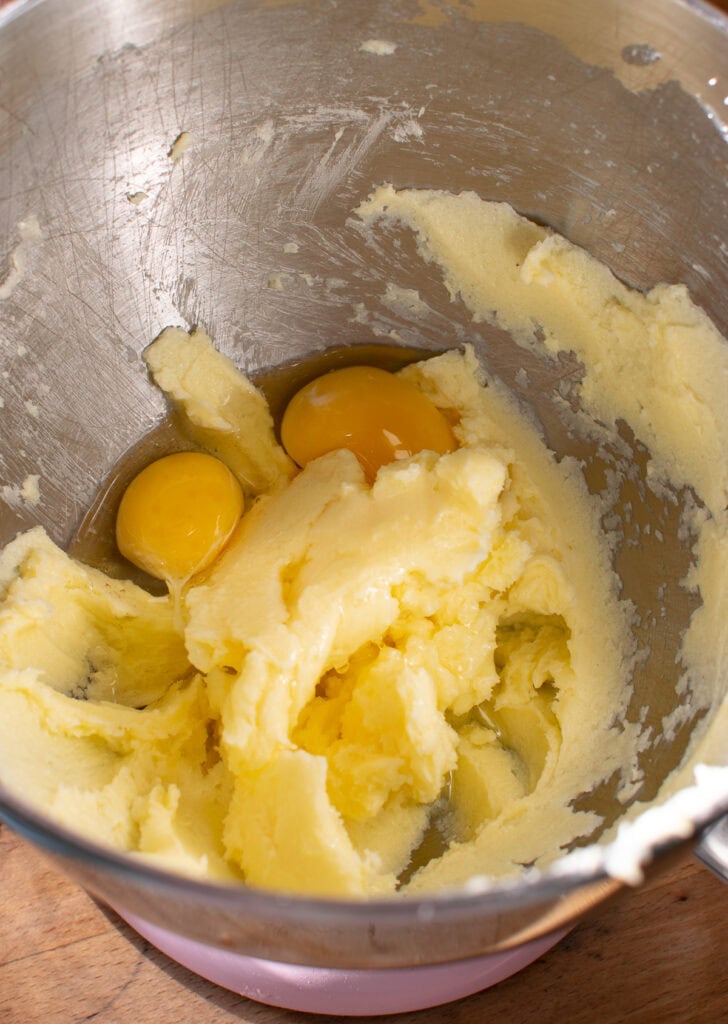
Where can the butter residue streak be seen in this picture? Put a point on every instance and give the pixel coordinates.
(30, 234)
(378, 47)
(30, 489)
(404, 300)
(403, 131)
(258, 142)
(27, 493)
(183, 142)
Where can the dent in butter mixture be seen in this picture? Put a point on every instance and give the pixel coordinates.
(392, 679)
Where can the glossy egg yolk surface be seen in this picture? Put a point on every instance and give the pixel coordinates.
(177, 514)
(375, 414)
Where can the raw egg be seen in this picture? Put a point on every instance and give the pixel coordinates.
(375, 414)
(177, 515)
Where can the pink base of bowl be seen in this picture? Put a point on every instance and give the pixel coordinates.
(342, 993)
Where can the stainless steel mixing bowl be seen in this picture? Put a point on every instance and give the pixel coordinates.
(601, 119)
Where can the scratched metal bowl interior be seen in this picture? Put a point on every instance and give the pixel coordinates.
(604, 125)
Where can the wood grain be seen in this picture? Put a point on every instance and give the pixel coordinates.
(658, 954)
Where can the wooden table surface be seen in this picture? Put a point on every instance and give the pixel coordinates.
(657, 955)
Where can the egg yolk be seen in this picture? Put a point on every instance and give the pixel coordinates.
(375, 414)
(177, 514)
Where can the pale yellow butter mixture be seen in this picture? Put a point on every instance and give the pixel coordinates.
(441, 652)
